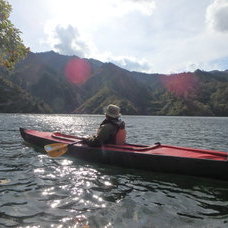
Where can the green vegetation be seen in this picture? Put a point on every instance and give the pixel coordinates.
(13, 99)
(38, 84)
(102, 98)
(188, 94)
(12, 48)
(42, 77)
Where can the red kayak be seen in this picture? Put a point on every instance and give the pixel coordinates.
(158, 157)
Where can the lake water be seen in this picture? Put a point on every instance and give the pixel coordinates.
(38, 191)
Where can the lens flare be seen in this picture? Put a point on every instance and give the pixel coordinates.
(181, 85)
(77, 71)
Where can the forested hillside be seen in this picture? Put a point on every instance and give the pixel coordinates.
(55, 83)
(14, 99)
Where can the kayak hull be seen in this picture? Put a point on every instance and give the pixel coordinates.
(159, 158)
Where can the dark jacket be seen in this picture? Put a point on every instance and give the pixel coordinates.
(106, 132)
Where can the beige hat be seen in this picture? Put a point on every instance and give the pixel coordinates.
(113, 111)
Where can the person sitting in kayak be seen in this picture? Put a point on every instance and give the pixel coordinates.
(111, 130)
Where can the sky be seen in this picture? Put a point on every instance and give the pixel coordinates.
(151, 36)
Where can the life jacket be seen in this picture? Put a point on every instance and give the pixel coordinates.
(119, 136)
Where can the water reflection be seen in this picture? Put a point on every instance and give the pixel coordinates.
(137, 191)
(67, 192)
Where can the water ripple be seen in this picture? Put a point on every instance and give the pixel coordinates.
(38, 191)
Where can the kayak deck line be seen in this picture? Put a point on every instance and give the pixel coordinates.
(62, 137)
(114, 146)
(145, 148)
(158, 157)
(70, 137)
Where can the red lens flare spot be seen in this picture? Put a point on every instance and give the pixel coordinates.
(182, 85)
(77, 71)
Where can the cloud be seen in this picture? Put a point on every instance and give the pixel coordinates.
(69, 41)
(130, 63)
(217, 15)
(66, 40)
(144, 6)
(90, 13)
(220, 63)
(141, 35)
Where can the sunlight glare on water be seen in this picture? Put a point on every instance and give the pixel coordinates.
(39, 191)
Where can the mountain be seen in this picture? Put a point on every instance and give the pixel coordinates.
(68, 84)
(42, 75)
(14, 99)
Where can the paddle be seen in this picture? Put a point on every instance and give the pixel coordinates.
(58, 149)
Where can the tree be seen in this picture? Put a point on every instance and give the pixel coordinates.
(12, 48)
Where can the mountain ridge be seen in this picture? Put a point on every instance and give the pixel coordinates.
(43, 76)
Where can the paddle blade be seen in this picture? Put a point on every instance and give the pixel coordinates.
(56, 149)
(54, 146)
(57, 153)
